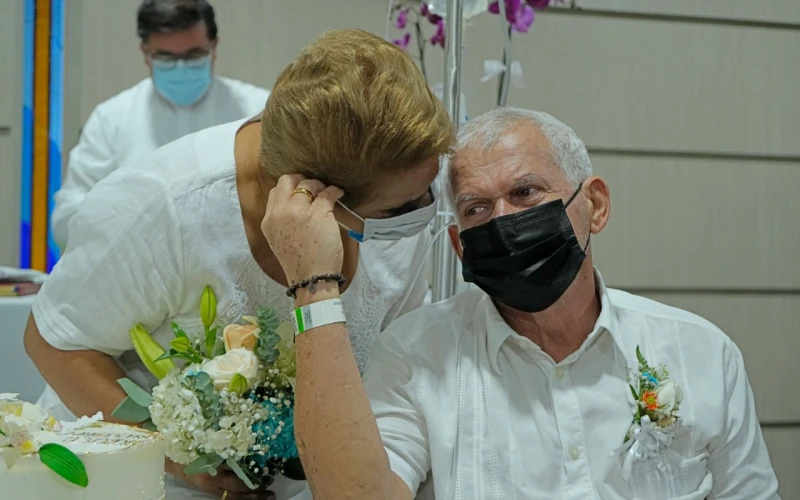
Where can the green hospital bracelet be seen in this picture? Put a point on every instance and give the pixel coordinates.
(326, 312)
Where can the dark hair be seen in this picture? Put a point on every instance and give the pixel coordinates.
(169, 16)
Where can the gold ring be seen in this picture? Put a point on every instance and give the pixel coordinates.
(305, 192)
(225, 495)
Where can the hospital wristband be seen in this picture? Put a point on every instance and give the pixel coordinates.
(325, 312)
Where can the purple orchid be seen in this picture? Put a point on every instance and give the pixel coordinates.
(403, 42)
(438, 37)
(426, 12)
(521, 16)
(538, 4)
(402, 19)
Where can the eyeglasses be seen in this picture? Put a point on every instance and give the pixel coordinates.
(166, 60)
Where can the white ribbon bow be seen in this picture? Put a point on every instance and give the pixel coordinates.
(493, 68)
(647, 441)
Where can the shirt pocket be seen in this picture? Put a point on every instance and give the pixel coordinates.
(669, 476)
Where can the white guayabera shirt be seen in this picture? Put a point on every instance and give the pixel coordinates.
(457, 392)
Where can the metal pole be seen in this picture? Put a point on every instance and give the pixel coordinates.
(444, 259)
(505, 76)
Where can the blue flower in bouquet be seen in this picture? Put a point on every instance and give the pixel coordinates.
(276, 432)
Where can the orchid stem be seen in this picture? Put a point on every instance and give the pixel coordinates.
(505, 76)
(421, 48)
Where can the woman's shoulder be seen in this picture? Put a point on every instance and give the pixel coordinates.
(192, 162)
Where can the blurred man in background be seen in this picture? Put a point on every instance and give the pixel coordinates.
(182, 96)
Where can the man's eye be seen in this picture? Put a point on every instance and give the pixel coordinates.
(473, 210)
(525, 192)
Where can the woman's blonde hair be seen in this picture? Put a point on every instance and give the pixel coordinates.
(349, 108)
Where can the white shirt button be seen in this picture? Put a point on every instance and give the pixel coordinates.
(559, 373)
(574, 453)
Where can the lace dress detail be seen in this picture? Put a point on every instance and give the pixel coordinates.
(364, 304)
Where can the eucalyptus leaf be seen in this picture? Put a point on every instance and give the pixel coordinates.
(65, 463)
(240, 473)
(178, 331)
(130, 411)
(149, 425)
(204, 464)
(136, 393)
(272, 340)
(208, 307)
(268, 321)
(202, 380)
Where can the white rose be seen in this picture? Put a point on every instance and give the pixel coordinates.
(222, 368)
(669, 395)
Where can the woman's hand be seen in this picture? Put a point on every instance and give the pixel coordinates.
(301, 229)
(225, 480)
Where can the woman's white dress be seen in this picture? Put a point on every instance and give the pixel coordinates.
(153, 234)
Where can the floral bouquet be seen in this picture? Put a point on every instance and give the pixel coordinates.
(231, 404)
(655, 422)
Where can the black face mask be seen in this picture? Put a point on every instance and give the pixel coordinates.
(525, 260)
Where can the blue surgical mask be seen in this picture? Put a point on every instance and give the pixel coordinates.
(394, 228)
(182, 82)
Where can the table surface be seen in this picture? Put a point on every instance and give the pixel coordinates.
(17, 372)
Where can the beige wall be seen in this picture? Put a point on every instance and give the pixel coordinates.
(690, 109)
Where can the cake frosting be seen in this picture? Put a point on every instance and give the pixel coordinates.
(121, 462)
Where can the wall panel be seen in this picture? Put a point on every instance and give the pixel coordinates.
(650, 85)
(775, 11)
(767, 330)
(784, 452)
(683, 223)
(11, 26)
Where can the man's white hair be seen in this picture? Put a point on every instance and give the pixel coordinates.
(567, 149)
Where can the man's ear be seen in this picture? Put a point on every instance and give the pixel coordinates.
(599, 196)
(146, 59)
(455, 240)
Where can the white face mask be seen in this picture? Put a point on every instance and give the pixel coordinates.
(394, 228)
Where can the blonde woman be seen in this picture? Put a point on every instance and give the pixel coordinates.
(353, 111)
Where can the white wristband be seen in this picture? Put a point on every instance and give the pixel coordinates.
(326, 312)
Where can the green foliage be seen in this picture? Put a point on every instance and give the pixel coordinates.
(238, 384)
(268, 337)
(178, 331)
(211, 340)
(208, 398)
(136, 393)
(65, 463)
(208, 307)
(130, 411)
(240, 473)
(204, 464)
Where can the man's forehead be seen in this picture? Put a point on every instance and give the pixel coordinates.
(483, 170)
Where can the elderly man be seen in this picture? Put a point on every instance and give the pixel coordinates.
(541, 383)
(179, 42)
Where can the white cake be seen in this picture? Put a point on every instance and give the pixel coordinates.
(122, 463)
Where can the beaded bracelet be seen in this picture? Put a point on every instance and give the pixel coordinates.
(311, 283)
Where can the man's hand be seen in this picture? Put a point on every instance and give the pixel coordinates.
(225, 480)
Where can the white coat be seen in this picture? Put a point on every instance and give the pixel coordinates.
(135, 122)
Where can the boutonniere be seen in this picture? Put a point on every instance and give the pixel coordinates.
(655, 421)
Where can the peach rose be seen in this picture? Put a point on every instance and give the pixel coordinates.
(236, 336)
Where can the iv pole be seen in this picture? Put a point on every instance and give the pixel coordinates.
(444, 258)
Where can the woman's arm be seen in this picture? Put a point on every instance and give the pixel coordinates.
(86, 381)
(338, 438)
